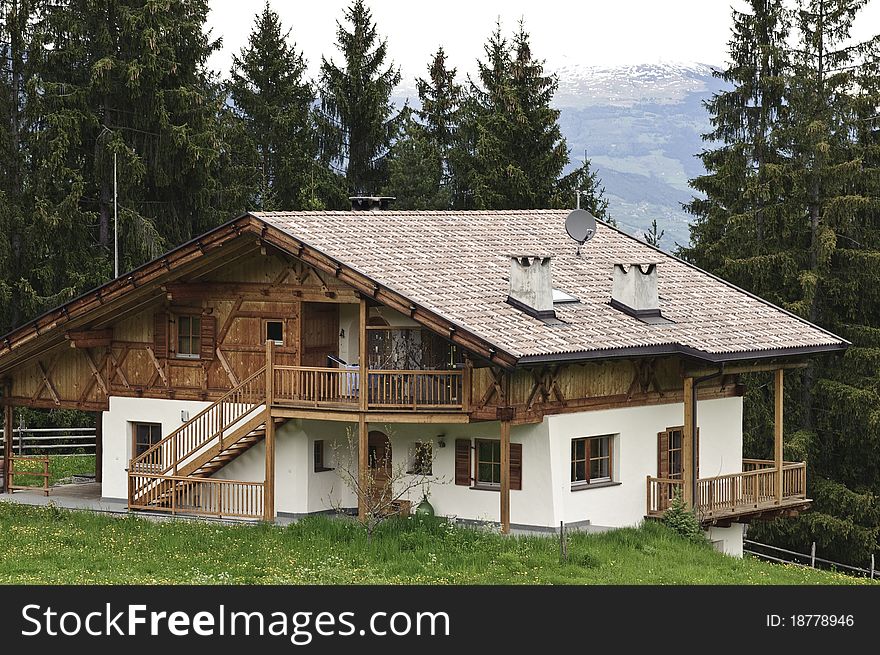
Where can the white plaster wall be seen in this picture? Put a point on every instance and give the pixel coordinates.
(635, 452)
(117, 425)
(731, 539)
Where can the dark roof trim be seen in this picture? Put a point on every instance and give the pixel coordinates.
(678, 349)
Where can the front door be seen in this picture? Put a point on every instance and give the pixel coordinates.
(379, 464)
(320, 333)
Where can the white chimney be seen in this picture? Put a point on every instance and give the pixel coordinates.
(531, 285)
(635, 289)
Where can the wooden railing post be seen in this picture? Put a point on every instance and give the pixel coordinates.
(270, 373)
(505, 476)
(687, 454)
(777, 432)
(8, 423)
(363, 383)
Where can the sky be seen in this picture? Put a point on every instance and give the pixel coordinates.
(564, 32)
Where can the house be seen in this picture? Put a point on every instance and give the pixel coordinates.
(548, 383)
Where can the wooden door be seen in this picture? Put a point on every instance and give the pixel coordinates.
(320, 333)
(379, 463)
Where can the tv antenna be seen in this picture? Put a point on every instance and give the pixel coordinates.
(581, 226)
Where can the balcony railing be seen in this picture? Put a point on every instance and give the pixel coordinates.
(305, 386)
(736, 493)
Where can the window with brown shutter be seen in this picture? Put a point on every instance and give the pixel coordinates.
(208, 332)
(463, 462)
(160, 335)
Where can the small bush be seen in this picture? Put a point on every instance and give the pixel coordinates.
(683, 520)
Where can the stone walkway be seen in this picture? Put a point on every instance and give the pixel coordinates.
(69, 496)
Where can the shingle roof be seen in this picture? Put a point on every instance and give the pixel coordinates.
(456, 264)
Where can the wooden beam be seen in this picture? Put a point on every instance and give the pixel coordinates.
(269, 489)
(8, 426)
(89, 338)
(363, 382)
(226, 367)
(363, 478)
(116, 366)
(96, 373)
(736, 369)
(158, 366)
(687, 446)
(270, 373)
(777, 430)
(47, 382)
(505, 477)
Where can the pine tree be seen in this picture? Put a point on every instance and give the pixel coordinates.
(357, 122)
(124, 77)
(416, 171)
(440, 98)
(509, 152)
(15, 17)
(654, 235)
(739, 226)
(274, 104)
(792, 212)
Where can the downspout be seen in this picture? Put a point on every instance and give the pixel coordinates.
(694, 453)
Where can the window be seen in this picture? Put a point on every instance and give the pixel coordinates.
(421, 458)
(145, 435)
(488, 462)
(274, 331)
(319, 457)
(674, 454)
(189, 336)
(591, 459)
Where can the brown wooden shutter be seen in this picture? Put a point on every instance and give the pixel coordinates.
(516, 466)
(663, 454)
(209, 329)
(463, 462)
(160, 335)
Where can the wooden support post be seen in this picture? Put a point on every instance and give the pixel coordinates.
(269, 491)
(8, 425)
(777, 432)
(99, 446)
(687, 446)
(363, 480)
(270, 374)
(505, 477)
(363, 381)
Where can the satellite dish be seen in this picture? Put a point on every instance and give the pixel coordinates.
(581, 226)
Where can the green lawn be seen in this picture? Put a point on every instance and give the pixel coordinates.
(60, 467)
(48, 545)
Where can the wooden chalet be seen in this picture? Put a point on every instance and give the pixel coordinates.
(583, 388)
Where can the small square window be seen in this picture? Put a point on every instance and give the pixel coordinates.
(275, 332)
(320, 465)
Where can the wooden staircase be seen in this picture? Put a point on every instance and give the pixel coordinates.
(174, 475)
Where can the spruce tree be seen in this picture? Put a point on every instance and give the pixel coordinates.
(130, 78)
(273, 101)
(791, 213)
(416, 170)
(357, 121)
(440, 98)
(509, 152)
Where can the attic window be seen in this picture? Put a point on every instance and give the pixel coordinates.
(560, 297)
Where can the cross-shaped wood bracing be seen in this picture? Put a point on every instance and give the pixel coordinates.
(545, 385)
(97, 378)
(116, 366)
(46, 381)
(644, 377)
(495, 388)
(159, 370)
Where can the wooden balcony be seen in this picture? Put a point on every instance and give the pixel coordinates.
(341, 388)
(737, 496)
